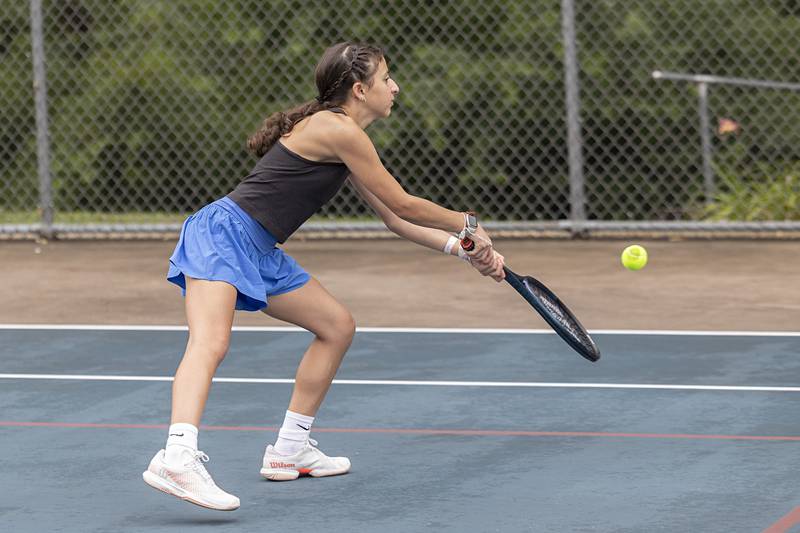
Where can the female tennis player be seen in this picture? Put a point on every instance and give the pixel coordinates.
(227, 259)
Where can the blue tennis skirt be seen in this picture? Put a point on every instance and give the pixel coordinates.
(221, 242)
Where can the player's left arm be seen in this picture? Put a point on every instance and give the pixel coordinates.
(432, 238)
(428, 237)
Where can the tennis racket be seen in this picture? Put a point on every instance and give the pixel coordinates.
(551, 308)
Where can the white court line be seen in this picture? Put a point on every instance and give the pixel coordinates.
(99, 327)
(508, 384)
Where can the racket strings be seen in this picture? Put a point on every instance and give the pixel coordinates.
(563, 317)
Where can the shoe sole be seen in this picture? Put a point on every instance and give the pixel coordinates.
(174, 490)
(277, 474)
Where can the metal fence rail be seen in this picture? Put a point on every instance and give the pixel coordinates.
(702, 82)
(123, 117)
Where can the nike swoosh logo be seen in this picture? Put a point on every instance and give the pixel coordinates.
(301, 427)
(176, 434)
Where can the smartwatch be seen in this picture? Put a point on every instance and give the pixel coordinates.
(470, 225)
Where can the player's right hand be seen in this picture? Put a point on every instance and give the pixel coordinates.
(492, 268)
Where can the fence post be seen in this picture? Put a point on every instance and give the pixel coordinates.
(42, 132)
(574, 139)
(705, 139)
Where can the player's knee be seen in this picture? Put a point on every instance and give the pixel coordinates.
(218, 350)
(342, 327)
(349, 327)
(212, 347)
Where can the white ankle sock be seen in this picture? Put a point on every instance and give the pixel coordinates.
(293, 435)
(182, 440)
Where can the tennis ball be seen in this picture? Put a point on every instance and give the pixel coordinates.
(634, 257)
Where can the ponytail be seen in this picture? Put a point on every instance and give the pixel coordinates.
(341, 65)
(280, 123)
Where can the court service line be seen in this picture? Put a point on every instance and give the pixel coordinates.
(422, 431)
(122, 327)
(423, 383)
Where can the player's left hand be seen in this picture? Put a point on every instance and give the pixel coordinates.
(482, 251)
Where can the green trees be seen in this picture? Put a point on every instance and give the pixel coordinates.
(151, 101)
(18, 181)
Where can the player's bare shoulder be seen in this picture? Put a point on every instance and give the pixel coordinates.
(345, 137)
(321, 135)
(338, 126)
(330, 136)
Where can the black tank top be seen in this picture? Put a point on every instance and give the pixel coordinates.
(284, 189)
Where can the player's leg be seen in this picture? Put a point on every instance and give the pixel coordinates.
(179, 470)
(315, 309)
(209, 313)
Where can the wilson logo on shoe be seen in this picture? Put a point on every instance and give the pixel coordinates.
(279, 464)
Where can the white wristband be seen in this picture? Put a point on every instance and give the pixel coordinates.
(448, 247)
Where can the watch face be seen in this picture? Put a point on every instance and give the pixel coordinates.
(472, 220)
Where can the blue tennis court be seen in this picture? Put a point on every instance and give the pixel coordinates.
(451, 430)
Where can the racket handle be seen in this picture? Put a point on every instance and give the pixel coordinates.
(467, 244)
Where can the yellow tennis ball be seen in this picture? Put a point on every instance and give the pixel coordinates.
(634, 257)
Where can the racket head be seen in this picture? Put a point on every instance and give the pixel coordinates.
(555, 313)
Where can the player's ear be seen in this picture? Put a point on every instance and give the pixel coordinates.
(358, 91)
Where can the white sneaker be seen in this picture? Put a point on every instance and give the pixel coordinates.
(190, 482)
(308, 461)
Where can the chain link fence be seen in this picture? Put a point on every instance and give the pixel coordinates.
(149, 104)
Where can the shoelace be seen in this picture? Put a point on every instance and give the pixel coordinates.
(197, 465)
(313, 445)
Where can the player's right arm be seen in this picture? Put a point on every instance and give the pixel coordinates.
(355, 149)
(433, 238)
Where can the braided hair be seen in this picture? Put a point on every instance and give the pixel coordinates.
(341, 66)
